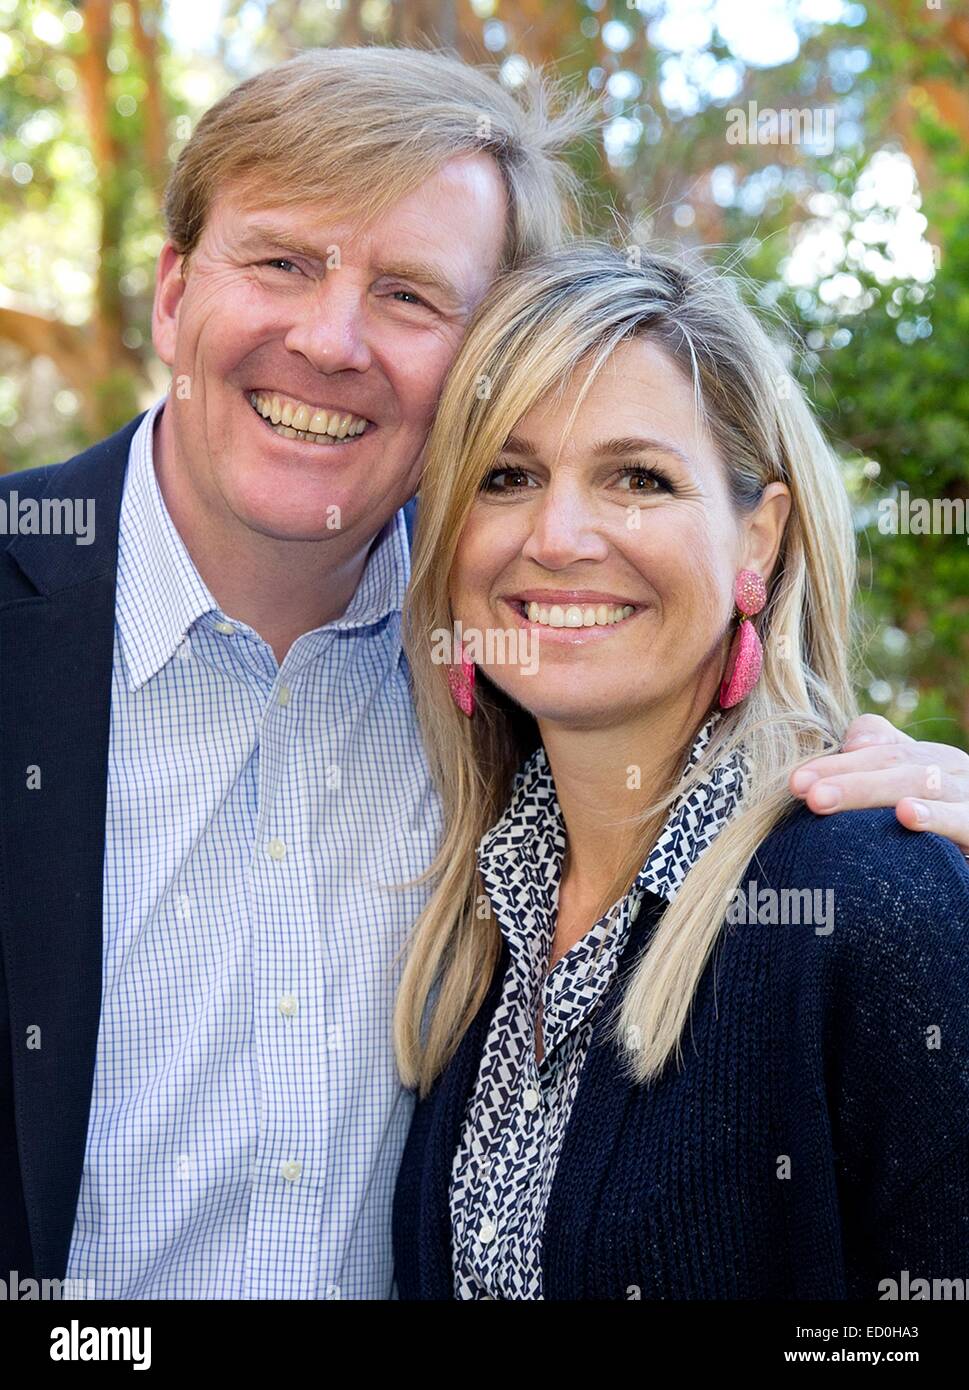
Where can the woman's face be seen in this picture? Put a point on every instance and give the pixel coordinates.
(614, 548)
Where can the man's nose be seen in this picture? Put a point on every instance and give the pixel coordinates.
(565, 529)
(329, 326)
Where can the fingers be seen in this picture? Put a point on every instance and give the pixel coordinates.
(927, 783)
(920, 765)
(861, 788)
(948, 818)
(873, 728)
(868, 759)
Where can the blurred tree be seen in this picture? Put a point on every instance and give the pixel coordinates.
(895, 388)
(97, 101)
(84, 134)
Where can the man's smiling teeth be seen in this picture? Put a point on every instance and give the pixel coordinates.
(296, 420)
(574, 615)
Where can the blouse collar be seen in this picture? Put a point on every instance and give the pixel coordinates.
(520, 857)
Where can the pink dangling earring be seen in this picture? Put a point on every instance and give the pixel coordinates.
(746, 652)
(460, 679)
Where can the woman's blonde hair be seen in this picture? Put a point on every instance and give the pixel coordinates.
(530, 335)
(357, 129)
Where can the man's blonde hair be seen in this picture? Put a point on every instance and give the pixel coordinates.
(360, 128)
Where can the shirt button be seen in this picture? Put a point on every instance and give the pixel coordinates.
(227, 628)
(284, 694)
(634, 910)
(487, 1232)
(277, 850)
(291, 1169)
(531, 1099)
(287, 1005)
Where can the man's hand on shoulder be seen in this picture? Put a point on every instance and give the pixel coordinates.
(927, 783)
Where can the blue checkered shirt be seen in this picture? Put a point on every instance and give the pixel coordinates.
(246, 1119)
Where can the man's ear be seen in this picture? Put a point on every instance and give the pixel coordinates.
(764, 529)
(169, 288)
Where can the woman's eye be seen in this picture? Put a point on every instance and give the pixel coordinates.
(497, 480)
(645, 480)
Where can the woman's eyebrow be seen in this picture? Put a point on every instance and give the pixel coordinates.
(630, 445)
(520, 447)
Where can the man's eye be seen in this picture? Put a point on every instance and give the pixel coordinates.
(497, 480)
(280, 261)
(645, 480)
(410, 297)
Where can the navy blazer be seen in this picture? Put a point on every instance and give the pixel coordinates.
(57, 622)
(56, 650)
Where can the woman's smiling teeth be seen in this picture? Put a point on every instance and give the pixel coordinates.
(576, 615)
(294, 419)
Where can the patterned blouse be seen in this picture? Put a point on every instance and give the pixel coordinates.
(518, 1112)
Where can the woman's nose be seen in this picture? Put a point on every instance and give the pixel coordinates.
(329, 326)
(564, 530)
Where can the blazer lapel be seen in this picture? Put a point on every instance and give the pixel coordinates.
(56, 650)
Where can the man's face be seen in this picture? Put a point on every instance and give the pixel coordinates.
(346, 330)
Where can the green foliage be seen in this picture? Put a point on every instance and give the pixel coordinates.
(886, 363)
(892, 385)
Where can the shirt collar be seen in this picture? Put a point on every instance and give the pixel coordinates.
(520, 857)
(384, 581)
(161, 595)
(694, 821)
